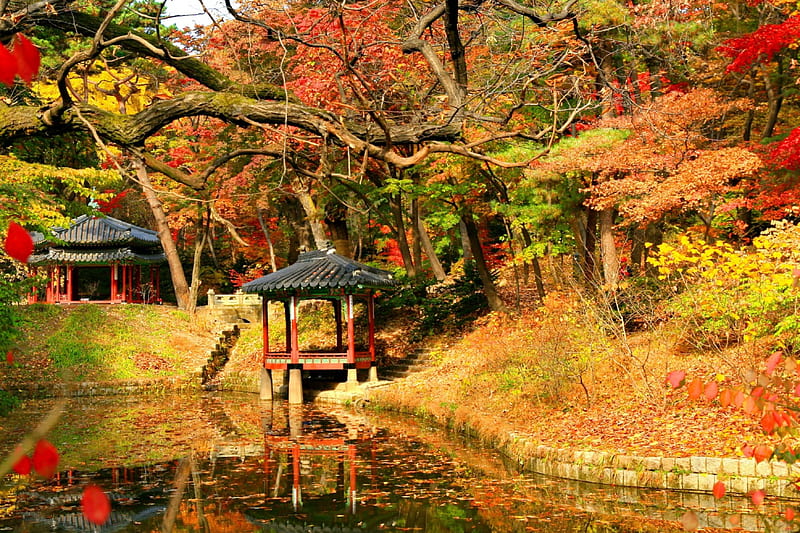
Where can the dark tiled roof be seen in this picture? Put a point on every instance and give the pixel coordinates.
(95, 256)
(101, 231)
(321, 269)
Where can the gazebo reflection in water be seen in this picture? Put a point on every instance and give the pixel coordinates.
(309, 465)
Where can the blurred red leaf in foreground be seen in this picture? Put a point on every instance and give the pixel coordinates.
(19, 243)
(23, 60)
(23, 466)
(45, 459)
(675, 378)
(96, 505)
(28, 59)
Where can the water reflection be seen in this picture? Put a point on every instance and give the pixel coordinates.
(216, 463)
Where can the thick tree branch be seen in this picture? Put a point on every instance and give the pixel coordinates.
(133, 130)
(151, 46)
(540, 20)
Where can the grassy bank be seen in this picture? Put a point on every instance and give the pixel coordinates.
(103, 343)
(561, 376)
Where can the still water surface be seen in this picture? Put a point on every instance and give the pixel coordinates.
(225, 463)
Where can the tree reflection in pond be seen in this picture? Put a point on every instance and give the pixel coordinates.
(219, 463)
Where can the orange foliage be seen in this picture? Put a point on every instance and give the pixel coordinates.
(667, 163)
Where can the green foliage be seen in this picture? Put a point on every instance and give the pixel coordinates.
(604, 13)
(728, 295)
(438, 307)
(37, 195)
(14, 285)
(8, 402)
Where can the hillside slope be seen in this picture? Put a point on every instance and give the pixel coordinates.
(104, 343)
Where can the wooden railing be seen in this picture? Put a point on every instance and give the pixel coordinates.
(237, 299)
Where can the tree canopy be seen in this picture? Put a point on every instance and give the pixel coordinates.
(434, 132)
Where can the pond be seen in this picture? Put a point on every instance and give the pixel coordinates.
(220, 463)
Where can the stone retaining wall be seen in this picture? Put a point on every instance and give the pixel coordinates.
(108, 388)
(687, 474)
(732, 512)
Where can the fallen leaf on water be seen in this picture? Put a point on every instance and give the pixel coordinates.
(689, 521)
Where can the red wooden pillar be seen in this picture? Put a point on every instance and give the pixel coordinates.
(265, 329)
(49, 292)
(295, 333)
(371, 318)
(114, 284)
(351, 455)
(57, 284)
(125, 283)
(351, 332)
(70, 269)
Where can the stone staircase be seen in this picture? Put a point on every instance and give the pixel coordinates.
(219, 355)
(416, 360)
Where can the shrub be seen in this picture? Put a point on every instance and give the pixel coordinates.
(438, 307)
(8, 402)
(724, 295)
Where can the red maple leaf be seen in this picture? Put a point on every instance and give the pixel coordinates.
(24, 60)
(8, 66)
(45, 459)
(23, 466)
(96, 505)
(27, 56)
(761, 45)
(19, 243)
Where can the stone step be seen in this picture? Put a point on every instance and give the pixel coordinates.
(413, 362)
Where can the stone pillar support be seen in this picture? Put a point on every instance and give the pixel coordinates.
(295, 385)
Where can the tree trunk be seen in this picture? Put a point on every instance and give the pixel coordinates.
(584, 227)
(427, 245)
(416, 245)
(537, 267)
(489, 288)
(179, 283)
(395, 204)
(774, 88)
(194, 288)
(300, 237)
(312, 216)
(336, 221)
(268, 237)
(638, 251)
(466, 248)
(608, 250)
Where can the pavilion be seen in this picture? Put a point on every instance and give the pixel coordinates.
(99, 259)
(319, 275)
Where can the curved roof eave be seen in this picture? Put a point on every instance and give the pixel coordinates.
(320, 270)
